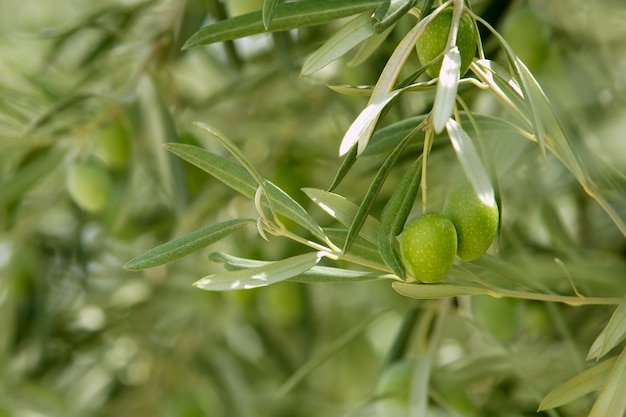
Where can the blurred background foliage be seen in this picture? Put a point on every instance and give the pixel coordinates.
(101, 85)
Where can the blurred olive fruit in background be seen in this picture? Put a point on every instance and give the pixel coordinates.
(528, 35)
(428, 246)
(113, 146)
(499, 316)
(89, 185)
(433, 41)
(476, 223)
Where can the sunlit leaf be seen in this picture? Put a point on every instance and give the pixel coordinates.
(374, 188)
(394, 216)
(184, 245)
(317, 274)
(269, 6)
(368, 47)
(389, 12)
(582, 384)
(472, 165)
(611, 400)
(342, 210)
(446, 88)
(260, 276)
(238, 178)
(286, 16)
(360, 130)
(346, 38)
(361, 248)
(420, 385)
(611, 335)
(436, 291)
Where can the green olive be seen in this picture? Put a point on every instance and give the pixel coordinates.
(528, 35)
(113, 146)
(433, 41)
(89, 185)
(499, 316)
(428, 246)
(476, 223)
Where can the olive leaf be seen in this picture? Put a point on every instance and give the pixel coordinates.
(611, 400)
(37, 164)
(363, 126)
(612, 334)
(344, 211)
(285, 16)
(186, 244)
(576, 387)
(394, 215)
(269, 7)
(260, 276)
(436, 291)
(345, 39)
(238, 178)
(316, 274)
(472, 165)
(347, 163)
(374, 188)
(446, 88)
(389, 11)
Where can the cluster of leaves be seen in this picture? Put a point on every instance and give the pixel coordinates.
(82, 337)
(362, 238)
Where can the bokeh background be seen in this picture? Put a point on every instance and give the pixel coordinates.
(105, 84)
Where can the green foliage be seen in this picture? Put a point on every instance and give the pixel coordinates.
(132, 136)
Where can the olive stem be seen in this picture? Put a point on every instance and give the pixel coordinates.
(428, 143)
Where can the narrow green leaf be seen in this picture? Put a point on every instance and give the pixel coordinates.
(388, 13)
(317, 274)
(286, 16)
(387, 138)
(184, 245)
(344, 40)
(225, 170)
(361, 248)
(368, 47)
(576, 387)
(291, 209)
(241, 180)
(360, 130)
(436, 291)
(42, 163)
(344, 211)
(447, 87)
(612, 334)
(420, 386)
(394, 215)
(346, 165)
(363, 127)
(269, 6)
(472, 165)
(531, 90)
(260, 276)
(373, 190)
(611, 400)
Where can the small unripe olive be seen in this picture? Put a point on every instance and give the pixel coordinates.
(433, 41)
(89, 185)
(528, 35)
(428, 246)
(476, 223)
(113, 146)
